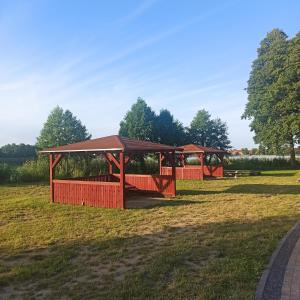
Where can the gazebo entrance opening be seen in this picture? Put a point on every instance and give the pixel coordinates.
(110, 190)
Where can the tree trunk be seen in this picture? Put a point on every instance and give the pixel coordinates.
(292, 153)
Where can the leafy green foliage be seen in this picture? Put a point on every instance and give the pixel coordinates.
(274, 93)
(61, 128)
(142, 123)
(17, 151)
(208, 132)
(258, 164)
(168, 130)
(5, 172)
(139, 122)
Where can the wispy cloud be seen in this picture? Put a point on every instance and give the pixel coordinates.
(142, 8)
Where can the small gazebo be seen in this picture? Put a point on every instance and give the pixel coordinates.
(110, 190)
(210, 163)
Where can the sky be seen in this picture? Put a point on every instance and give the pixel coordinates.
(96, 58)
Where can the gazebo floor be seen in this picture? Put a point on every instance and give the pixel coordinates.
(137, 199)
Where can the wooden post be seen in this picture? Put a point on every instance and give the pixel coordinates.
(202, 165)
(122, 180)
(53, 161)
(110, 167)
(222, 163)
(173, 164)
(160, 163)
(51, 177)
(182, 160)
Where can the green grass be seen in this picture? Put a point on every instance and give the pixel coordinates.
(212, 242)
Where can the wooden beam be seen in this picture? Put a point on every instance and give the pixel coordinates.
(113, 159)
(181, 158)
(127, 159)
(110, 169)
(160, 159)
(53, 162)
(122, 180)
(57, 159)
(173, 164)
(202, 165)
(51, 177)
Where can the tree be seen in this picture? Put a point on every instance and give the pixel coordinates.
(61, 128)
(208, 132)
(168, 130)
(139, 122)
(18, 151)
(274, 93)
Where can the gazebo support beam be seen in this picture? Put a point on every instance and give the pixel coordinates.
(201, 156)
(113, 159)
(160, 160)
(122, 179)
(53, 162)
(173, 164)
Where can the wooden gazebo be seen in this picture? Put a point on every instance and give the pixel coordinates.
(205, 168)
(110, 190)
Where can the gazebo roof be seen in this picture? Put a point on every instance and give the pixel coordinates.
(112, 143)
(193, 148)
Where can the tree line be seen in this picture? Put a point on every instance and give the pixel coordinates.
(17, 151)
(141, 123)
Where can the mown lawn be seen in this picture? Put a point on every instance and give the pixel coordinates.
(211, 242)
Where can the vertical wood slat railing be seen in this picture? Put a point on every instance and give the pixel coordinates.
(162, 184)
(190, 172)
(101, 177)
(214, 171)
(90, 193)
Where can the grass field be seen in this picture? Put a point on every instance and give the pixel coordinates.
(211, 242)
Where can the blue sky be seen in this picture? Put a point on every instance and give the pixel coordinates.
(96, 57)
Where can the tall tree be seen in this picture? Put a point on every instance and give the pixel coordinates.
(139, 122)
(168, 130)
(61, 128)
(274, 93)
(208, 132)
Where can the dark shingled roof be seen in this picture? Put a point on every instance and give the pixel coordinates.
(193, 148)
(112, 143)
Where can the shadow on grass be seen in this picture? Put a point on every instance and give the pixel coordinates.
(265, 189)
(283, 174)
(249, 189)
(223, 256)
(141, 199)
(154, 203)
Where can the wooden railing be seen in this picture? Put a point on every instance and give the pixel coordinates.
(214, 171)
(190, 172)
(102, 178)
(87, 192)
(162, 184)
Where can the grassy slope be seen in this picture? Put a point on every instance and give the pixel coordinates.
(212, 242)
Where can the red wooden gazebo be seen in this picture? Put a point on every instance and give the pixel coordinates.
(110, 190)
(205, 167)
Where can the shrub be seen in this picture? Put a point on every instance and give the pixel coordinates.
(258, 164)
(32, 171)
(150, 166)
(5, 172)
